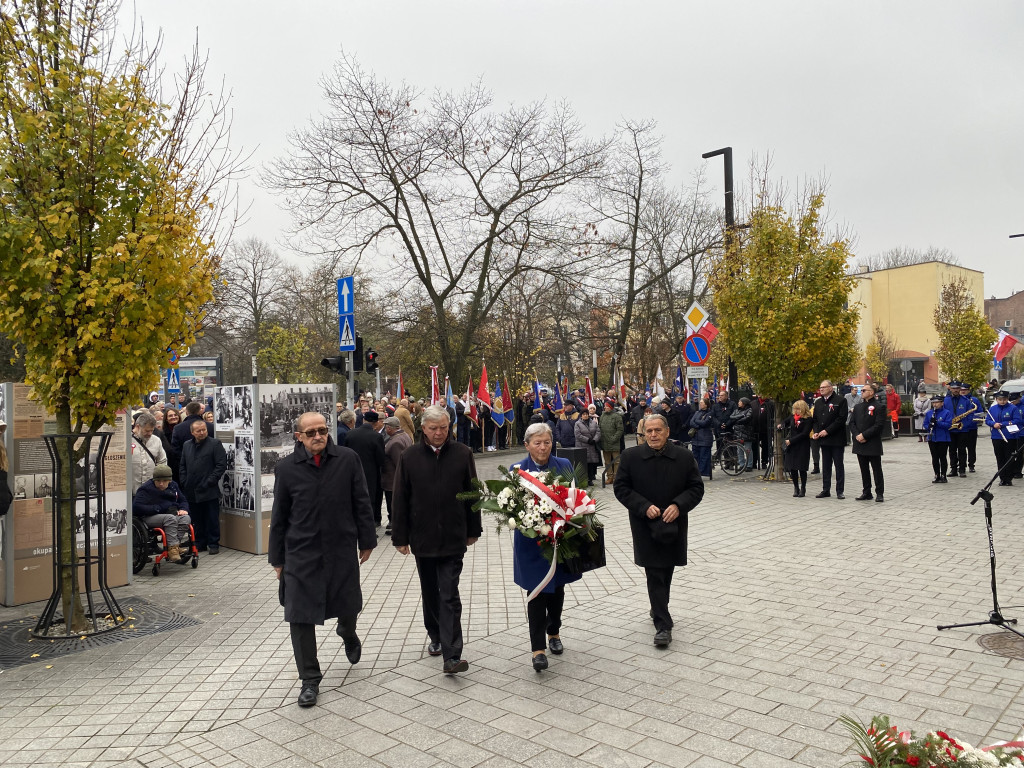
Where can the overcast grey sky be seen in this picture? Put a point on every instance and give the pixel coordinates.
(913, 111)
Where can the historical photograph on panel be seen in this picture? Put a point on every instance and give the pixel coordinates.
(87, 518)
(44, 486)
(244, 460)
(243, 408)
(244, 498)
(229, 452)
(267, 492)
(227, 490)
(117, 514)
(224, 408)
(22, 484)
(282, 404)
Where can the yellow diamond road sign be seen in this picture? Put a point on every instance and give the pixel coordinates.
(696, 316)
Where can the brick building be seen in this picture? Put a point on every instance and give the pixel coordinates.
(1007, 314)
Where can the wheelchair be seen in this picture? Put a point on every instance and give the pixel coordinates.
(148, 545)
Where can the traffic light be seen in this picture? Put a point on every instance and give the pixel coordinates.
(357, 355)
(371, 360)
(336, 364)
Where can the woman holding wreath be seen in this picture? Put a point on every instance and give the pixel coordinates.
(530, 566)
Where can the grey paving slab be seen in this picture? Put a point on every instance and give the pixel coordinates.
(791, 613)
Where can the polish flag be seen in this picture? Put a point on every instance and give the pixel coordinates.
(589, 392)
(1003, 345)
(435, 388)
(483, 395)
(471, 412)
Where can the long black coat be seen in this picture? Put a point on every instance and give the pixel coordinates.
(797, 455)
(202, 465)
(830, 416)
(665, 477)
(369, 447)
(321, 519)
(871, 420)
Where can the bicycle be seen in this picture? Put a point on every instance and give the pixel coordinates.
(730, 458)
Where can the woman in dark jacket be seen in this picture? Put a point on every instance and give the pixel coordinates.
(869, 422)
(701, 442)
(529, 566)
(796, 457)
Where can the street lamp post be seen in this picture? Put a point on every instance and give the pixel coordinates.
(730, 227)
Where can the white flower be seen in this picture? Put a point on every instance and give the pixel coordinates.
(512, 523)
(505, 498)
(545, 529)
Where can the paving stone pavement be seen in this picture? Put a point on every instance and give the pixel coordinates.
(791, 613)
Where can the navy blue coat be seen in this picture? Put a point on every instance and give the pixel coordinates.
(703, 422)
(150, 500)
(529, 565)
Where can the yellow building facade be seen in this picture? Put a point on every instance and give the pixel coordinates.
(902, 301)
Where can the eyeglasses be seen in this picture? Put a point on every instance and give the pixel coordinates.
(314, 432)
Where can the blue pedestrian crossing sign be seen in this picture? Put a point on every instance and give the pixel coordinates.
(346, 314)
(173, 382)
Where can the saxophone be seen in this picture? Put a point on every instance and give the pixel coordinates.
(958, 420)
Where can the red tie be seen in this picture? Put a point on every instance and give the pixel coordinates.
(316, 459)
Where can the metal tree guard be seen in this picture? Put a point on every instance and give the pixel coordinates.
(90, 568)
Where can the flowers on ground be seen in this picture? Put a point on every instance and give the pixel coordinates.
(884, 746)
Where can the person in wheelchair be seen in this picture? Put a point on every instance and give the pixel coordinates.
(160, 503)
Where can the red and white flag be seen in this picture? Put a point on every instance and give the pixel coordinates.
(589, 393)
(1003, 345)
(435, 387)
(482, 394)
(724, 384)
(401, 384)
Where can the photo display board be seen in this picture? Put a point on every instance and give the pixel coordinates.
(26, 533)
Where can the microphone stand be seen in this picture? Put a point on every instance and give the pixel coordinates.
(995, 616)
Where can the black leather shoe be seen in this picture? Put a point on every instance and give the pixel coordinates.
(971, 469)
(387, 531)
(434, 649)
(796, 494)
(943, 480)
(308, 694)
(963, 474)
(840, 496)
(214, 550)
(864, 497)
(455, 665)
(937, 480)
(540, 662)
(555, 646)
(879, 499)
(815, 471)
(823, 495)
(662, 638)
(353, 649)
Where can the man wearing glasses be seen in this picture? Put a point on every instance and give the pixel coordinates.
(321, 520)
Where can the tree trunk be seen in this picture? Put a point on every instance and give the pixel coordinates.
(71, 598)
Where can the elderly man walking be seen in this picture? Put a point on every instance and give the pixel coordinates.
(658, 483)
(398, 440)
(321, 518)
(430, 521)
(203, 461)
(611, 428)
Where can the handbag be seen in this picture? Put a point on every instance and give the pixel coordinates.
(591, 555)
(692, 432)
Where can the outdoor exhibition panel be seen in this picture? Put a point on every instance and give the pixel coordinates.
(255, 424)
(26, 533)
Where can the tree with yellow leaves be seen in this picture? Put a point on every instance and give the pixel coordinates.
(781, 302)
(106, 249)
(965, 337)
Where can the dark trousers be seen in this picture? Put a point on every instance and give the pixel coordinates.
(1019, 465)
(206, 521)
(755, 451)
(442, 607)
(971, 441)
(462, 431)
(702, 453)
(304, 647)
(869, 464)
(832, 456)
(816, 453)
(474, 438)
(388, 498)
(502, 438)
(939, 465)
(592, 471)
(1003, 451)
(659, 584)
(545, 616)
(957, 453)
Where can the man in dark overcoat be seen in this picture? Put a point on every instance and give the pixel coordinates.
(659, 484)
(203, 462)
(829, 433)
(368, 444)
(321, 518)
(429, 520)
(870, 420)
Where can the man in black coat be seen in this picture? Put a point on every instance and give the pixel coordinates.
(870, 420)
(721, 410)
(182, 432)
(829, 431)
(368, 444)
(659, 484)
(203, 461)
(428, 520)
(321, 518)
